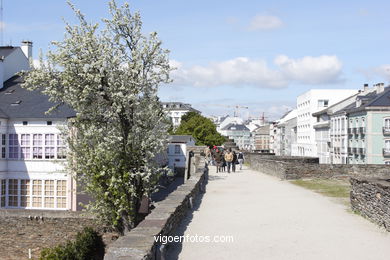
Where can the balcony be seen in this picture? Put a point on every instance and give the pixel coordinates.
(386, 130)
(349, 150)
(355, 130)
(386, 152)
(362, 130)
(362, 150)
(354, 150)
(350, 131)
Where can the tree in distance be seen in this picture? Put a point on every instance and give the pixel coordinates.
(201, 128)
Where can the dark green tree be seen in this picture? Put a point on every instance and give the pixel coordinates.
(201, 128)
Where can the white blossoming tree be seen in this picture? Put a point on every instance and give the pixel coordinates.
(110, 77)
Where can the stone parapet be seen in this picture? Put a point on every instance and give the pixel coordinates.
(308, 167)
(371, 198)
(140, 243)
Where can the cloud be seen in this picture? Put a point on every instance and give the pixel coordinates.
(380, 72)
(311, 70)
(243, 71)
(265, 22)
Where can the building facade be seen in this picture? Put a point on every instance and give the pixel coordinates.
(33, 150)
(175, 110)
(239, 133)
(369, 128)
(308, 103)
(261, 139)
(177, 150)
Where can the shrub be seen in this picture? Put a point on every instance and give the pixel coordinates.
(87, 245)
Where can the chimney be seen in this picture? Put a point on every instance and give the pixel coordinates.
(27, 49)
(365, 88)
(380, 87)
(1, 72)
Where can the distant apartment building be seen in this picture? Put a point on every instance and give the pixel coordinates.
(308, 103)
(239, 133)
(369, 127)
(331, 134)
(285, 133)
(175, 110)
(261, 139)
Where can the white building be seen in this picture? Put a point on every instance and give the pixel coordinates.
(32, 175)
(177, 150)
(308, 103)
(176, 110)
(285, 133)
(228, 120)
(331, 129)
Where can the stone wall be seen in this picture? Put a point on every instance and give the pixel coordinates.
(371, 198)
(287, 167)
(139, 243)
(21, 230)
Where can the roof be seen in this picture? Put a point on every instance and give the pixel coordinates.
(372, 100)
(236, 127)
(178, 106)
(18, 102)
(180, 138)
(263, 129)
(7, 50)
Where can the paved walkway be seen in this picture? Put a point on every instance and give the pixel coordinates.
(273, 219)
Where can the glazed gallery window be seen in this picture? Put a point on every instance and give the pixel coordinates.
(34, 193)
(13, 146)
(34, 146)
(37, 146)
(25, 146)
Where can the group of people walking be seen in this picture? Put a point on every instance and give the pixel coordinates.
(224, 160)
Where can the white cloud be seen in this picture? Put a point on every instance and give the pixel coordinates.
(311, 70)
(265, 22)
(243, 71)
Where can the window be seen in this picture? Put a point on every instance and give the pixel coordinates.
(387, 123)
(37, 146)
(49, 122)
(323, 103)
(3, 145)
(13, 146)
(49, 146)
(387, 162)
(25, 146)
(2, 203)
(49, 193)
(61, 149)
(61, 194)
(25, 123)
(13, 193)
(25, 193)
(177, 149)
(37, 194)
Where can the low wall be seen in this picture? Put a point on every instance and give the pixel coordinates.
(371, 198)
(139, 243)
(21, 230)
(287, 167)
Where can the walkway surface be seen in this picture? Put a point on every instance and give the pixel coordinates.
(273, 219)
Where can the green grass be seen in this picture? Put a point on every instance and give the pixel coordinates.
(332, 188)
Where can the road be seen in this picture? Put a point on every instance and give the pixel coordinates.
(273, 219)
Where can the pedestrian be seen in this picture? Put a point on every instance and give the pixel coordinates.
(229, 158)
(240, 158)
(234, 162)
(218, 159)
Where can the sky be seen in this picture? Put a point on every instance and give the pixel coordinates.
(258, 55)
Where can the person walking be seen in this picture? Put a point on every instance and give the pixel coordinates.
(240, 158)
(229, 159)
(234, 162)
(218, 159)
